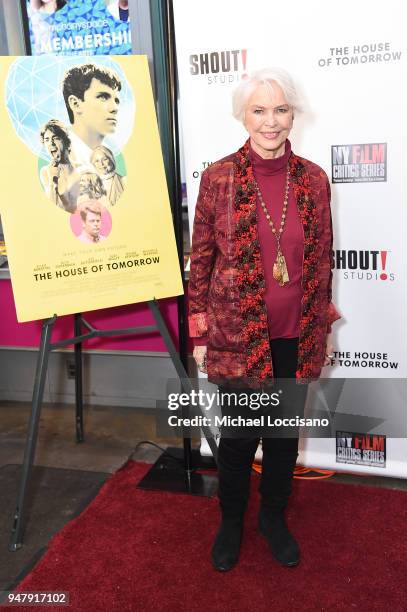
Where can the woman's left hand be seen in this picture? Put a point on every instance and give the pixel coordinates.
(329, 350)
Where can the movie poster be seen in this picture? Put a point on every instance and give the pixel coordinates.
(79, 27)
(84, 203)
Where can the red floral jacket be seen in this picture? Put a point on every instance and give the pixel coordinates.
(226, 281)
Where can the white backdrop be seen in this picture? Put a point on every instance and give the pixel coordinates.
(348, 60)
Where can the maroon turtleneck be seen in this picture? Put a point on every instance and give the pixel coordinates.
(283, 303)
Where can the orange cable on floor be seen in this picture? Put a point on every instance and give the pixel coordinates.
(301, 471)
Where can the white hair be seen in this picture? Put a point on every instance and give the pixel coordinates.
(266, 77)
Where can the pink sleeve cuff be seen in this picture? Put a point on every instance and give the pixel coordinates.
(198, 324)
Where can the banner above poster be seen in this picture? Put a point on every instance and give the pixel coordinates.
(85, 208)
(79, 27)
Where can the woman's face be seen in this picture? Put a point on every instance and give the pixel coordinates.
(268, 119)
(84, 184)
(50, 6)
(102, 163)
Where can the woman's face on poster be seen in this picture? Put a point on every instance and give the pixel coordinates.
(47, 6)
(84, 184)
(102, 163)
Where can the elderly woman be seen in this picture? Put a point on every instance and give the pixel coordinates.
(59, 178)
(260, 299)
(103, 160)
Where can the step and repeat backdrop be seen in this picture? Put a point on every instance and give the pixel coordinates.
(348, 61)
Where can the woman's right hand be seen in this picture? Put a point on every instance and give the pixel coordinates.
(199, 355)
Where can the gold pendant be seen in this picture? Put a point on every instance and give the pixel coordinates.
(280, 272)
(276, 271)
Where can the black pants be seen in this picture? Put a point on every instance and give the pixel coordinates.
(236, 454)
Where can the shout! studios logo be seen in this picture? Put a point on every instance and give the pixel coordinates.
(359, 163)
(219, 67)
(362, 265)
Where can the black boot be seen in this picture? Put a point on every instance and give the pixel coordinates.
(225, 550)
(283, 545)
(235, 458)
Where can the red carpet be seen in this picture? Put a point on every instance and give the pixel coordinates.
(134, 550)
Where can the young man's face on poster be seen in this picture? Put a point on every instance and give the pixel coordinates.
(54, 145)
(99, 108)
(92, 224)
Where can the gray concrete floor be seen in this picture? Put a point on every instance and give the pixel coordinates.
(111, 435)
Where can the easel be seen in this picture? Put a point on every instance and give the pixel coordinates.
(181, 480)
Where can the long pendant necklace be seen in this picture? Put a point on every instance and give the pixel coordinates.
(280, 272)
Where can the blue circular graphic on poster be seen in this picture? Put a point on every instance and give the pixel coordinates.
(79, 27)
(34, 96)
